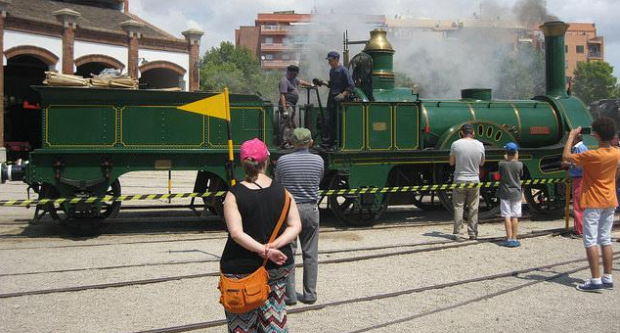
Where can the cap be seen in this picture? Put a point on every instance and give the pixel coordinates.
(467, 128)
(293, 68)
(254, 149)
(333, 55)
(511, 147)
(302, 135)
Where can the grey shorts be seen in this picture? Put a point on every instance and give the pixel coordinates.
(597, 224)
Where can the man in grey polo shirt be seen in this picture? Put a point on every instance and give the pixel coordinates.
(467, 155)
(300, 173)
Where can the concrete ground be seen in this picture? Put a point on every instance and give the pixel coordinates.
(154, 244)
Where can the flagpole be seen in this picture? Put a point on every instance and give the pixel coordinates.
(231, 155)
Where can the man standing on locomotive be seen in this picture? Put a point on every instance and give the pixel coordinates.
(467, 155)
(341, 86)
(289, 95)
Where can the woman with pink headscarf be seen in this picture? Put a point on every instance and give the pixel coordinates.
(252, 209)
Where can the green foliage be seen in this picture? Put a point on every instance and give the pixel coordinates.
(523, 75)
(594, 81)
(268, 85)
(239, 70)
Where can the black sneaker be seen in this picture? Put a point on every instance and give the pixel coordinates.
(307, 301)
(302, 298)
(608, 285)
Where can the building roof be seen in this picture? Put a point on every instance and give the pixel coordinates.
(589, 27)
(283, 17)
(93, 18)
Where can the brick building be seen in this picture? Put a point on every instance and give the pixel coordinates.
(81, 37)
(271, 38)
(582, 45)
(279, 38)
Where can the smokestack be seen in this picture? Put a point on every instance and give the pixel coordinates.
(382, 53)
(554, 57)
(126, 7)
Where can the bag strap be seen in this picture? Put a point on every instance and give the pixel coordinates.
(287, 204)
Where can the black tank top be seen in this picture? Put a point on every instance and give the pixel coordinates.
(260, 210)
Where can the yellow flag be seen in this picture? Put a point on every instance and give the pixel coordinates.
(215, 106)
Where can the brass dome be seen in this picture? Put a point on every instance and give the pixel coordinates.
(378, 42)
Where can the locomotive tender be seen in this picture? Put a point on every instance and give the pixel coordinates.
(388, 136)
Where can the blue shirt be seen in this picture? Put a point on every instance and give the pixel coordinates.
(301, 172)
(579, 148)
(340, 80)
(288, 87)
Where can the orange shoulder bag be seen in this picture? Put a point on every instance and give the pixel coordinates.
(250, 292)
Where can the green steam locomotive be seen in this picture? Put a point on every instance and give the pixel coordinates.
(388, 136)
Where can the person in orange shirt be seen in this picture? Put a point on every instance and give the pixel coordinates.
(598, 198)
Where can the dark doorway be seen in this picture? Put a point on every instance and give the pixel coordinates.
(90, 69)
(22, 129)
(158, 78)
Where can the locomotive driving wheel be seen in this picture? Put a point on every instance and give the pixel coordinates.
(488, 205)
(423, 199)
(208, 182)
(355, 209)
(83, 219)
(56, 211)
(546, 199)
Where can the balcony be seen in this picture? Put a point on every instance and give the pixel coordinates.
(278, 64)
(274, 30)
(277, 47)
(595, 56)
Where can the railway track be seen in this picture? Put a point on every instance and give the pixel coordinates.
(442, 246)
(217, 323)
(220, 234)
(185, 262)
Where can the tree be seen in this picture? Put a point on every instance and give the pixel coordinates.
(239, 70)
(594, 81)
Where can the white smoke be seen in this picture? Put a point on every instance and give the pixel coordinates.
(443, 58)
(325, 34)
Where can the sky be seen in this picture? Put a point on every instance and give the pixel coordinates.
(219, 19)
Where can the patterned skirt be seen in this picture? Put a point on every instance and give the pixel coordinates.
(271, 316)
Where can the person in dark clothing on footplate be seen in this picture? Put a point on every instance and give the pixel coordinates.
(341, 87)
(289, 95)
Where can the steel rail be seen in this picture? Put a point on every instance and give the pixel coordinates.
(385, 226)
(216, 274)
(216, 323)
(473, 300)
(186, 262)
